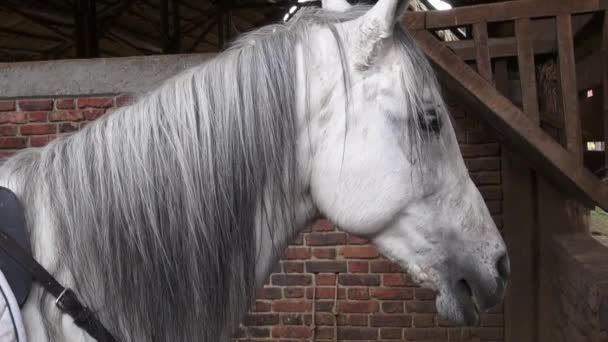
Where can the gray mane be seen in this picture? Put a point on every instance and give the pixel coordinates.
(154, 205)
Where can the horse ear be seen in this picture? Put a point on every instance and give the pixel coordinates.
(371, 29)
(335, 5)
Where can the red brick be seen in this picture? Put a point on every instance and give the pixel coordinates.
(295, 318)
(124, 100)
(325, 293)
(297, 253)
(392, 307)
(293, 267)
(291, 332)
(7, 106)
(6, 154)
(66, 115)
(424, 321)
(357, 334)
(291, 279)
(358, 266)
(384, 266)
(424, 294)
(414, 306)
(261, 319)
(381, 320)
(359, 279)
(357, 240)
(12, 117)
(93, 114)
(37, 116)
(325, 239)
(397, 280)
(261, 306)
(293, 292)
(95, 102)
(325, 279)
(8, 130)
(40, 140)
(324, 319)
(358, 293)
(268, 293)
(257, 332)
(426, 334)
(358, 306)
(13, 142)
(359, 252)
(35, 105)
(392, 293)
(321, 333)
(325, 305)
(38, 129)
(291, 306)
(360, 320)
(323, 225)
(324, 253)
(66, 127)
(390, 333)
(64, 104)
(325, 266)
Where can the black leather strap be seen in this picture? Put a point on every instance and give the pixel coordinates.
(66, 299)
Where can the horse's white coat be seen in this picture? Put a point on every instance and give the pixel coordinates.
(425, 215)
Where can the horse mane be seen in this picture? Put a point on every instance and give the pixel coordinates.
(153, 206)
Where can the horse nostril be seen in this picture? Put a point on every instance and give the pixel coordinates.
(504, 266)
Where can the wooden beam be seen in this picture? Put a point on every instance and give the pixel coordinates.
(484, 63)
(567, 67)
(505, 11)
(605, 83)
(544, 153)
(527, 69)
(520, 233)
(85, 17)
(500, 47)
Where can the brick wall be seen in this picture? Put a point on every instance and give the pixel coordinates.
(581, 284)
(375, 299)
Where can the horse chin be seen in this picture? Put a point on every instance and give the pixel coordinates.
(458, 305)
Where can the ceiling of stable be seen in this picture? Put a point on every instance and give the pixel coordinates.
(57, 29)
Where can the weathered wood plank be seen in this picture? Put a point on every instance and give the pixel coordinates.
(545, 154)
(527, 69)
(484, 63)
(567, 67)
(508, 10)
(520, 234)
(605, 82)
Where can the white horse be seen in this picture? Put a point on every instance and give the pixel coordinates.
(163, 216)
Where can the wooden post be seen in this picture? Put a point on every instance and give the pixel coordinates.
(484, 63)
(521, 238)
(85, 18)
(605, 84)
(567, 67)
(527, 69)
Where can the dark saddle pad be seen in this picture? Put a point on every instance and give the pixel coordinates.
(12, 223)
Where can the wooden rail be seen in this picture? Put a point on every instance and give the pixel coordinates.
(523, 126)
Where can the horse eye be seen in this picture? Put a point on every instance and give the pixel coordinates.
(430, 122)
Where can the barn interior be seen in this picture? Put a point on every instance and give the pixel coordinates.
(527, 83)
